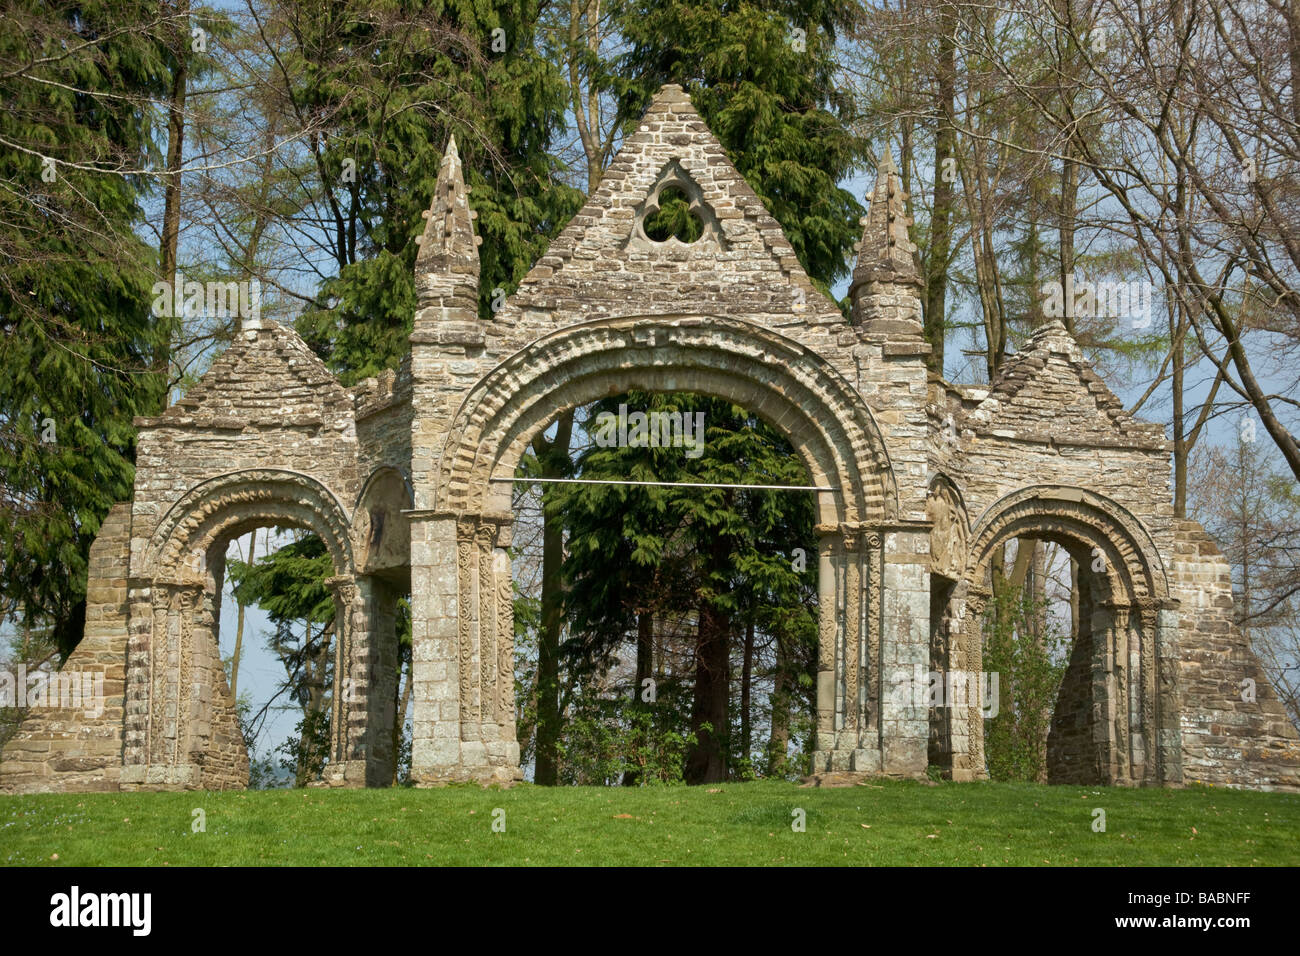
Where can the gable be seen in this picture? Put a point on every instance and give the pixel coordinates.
(604, 264)
(266, 377)
(1049, 391)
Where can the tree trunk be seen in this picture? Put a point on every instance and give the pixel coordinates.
(1180, 438)
(936, 280)
(746, 681)
(171, 225)
(553, 457)
(239, 627)
(645, 635)
(1066, 212)
(779, 742)
(706, 762)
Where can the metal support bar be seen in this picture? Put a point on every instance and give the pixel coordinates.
(663, 484)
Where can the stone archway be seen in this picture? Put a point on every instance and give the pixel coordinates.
(464, 625)
(179, 716)
(1123, 667)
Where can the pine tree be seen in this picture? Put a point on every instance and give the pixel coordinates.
(77, 340)
(394, 82)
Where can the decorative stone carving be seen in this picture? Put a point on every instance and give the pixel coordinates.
(949, 532)
(381, 534)
(673, 176)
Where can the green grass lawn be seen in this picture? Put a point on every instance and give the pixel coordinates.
(882, 823)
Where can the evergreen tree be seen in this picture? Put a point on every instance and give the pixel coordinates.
(723, 553)
(77, 341)
(395, 81)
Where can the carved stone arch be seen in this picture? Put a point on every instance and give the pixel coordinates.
(263, 496)
(467, 509)
(945, 508)
(185, 733)
(797, 392)
(1115, 720)
(1134, 569)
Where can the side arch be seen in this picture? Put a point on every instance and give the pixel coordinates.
(1116, 721)
(213, 508)
(1134, 568)
(183, 733)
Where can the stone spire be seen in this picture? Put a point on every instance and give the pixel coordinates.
(447, 266)
(885, 282)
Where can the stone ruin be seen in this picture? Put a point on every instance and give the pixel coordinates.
(406, 479)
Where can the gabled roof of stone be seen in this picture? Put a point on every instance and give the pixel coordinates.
(1049, 390)
(267, 376)
(600, 254)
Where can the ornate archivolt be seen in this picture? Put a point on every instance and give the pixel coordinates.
(787, 384)
(172, 612)
(1133, 566)
(1133, 589)
(820, 412)
(209, 509)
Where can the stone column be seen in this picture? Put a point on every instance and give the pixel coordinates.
(1166, 764)
(945, 630)
(1142, 691)
(140, 626)
(904, 726)
(1104, 744)
(489, 750)
(827, 634)
(464, 650)
(850, 639)
(848, 662)
(162, 677)
(365, 682)
(1124, 682)
(347, 717)
(968, 655)
(503, 748)
(435, 658)
(865, 584)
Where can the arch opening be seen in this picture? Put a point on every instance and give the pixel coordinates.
(191, 734)
(469, 501)
(690, 612)
(1060, 614)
